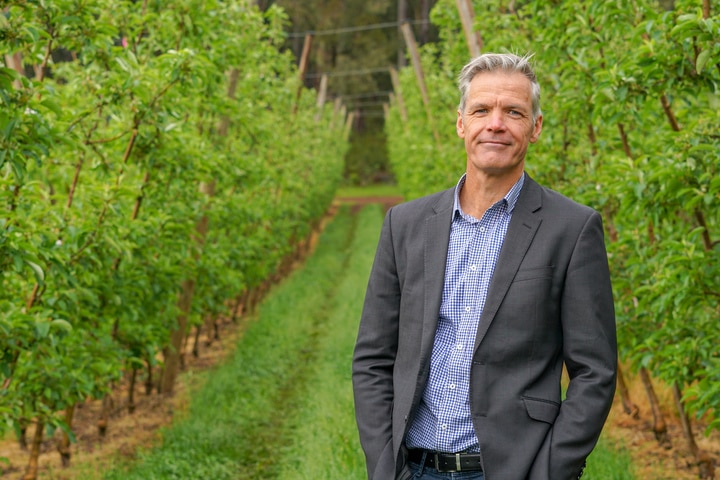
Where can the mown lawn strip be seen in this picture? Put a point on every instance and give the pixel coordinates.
(325, 444)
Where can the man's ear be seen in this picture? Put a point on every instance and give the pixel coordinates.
(459, 126)
(537, 129)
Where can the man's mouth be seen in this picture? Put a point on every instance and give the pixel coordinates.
(494, 143)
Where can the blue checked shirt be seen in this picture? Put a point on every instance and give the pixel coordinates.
(443, 422)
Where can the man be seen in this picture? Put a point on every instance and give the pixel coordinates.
(477, 298)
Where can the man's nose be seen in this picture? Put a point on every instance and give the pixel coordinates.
(496, 120)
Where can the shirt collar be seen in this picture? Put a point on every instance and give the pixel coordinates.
(510, 197)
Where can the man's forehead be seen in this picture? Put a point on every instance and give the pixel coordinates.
(514, 85)
(500, 76)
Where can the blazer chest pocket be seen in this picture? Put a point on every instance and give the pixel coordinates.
(542, 410)
(537, 273)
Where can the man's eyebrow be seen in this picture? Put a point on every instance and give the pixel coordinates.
(517, 107)
(486, 106)
(476, 105)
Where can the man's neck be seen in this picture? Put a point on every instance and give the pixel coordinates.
(481, 192)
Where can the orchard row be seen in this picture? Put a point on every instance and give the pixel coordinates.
(158, 162)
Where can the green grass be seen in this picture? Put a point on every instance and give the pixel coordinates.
(609, 461)
(324, 436)
(281, 407)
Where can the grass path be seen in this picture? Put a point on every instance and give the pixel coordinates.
(281, 406)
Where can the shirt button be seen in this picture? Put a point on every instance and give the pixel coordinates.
(459, 346)
(467, 309)
(473, 267)
(452, 386)
(443, 426)
(482, 229)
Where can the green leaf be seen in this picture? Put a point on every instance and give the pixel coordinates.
(52, 106)
(18, 167)
(42, 328)
(123, 64)
(37, 270)
(17, 261)
(9, 128)
(62, 324)
(701, 61)
(7, 76)
(686, 17)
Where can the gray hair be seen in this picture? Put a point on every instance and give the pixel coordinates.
(507, 62)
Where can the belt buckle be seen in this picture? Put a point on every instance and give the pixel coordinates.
(441, 467)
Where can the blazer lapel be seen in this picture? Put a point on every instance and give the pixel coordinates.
(521, 231)
(437, 238)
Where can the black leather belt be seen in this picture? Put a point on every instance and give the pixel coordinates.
(447, 462)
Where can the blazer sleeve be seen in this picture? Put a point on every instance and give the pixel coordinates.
(374, 358)
(590, 353)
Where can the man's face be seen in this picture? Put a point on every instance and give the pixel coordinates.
(497, 123)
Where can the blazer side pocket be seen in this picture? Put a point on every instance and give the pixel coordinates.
(542, 410)
(534, 273)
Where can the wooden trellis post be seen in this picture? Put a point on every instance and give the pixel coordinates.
(14, 61)
(322, 95)
(348, 125)
(467, 17)
(338, 112)
(302, 68)
(419, 75)
(398, 93)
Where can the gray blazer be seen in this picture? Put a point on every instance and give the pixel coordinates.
(549, 303)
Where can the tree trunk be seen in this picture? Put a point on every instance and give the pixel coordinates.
(186, 340)
(196, 344)
(211, 327)
(149, 377)
(628, 406)
(173, 351)
(32, 468)
(706, 469)
(63, 447)
(22, 438)
(102, 424)
(216, 329)
(237, 310)
(659, 425)
(131, 390)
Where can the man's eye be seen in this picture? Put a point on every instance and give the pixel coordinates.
(514, 113)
